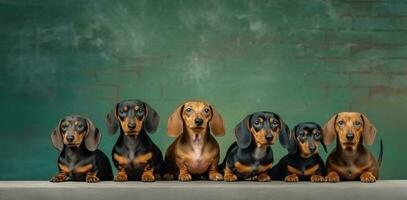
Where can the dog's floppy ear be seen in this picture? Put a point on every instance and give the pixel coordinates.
(329, 131)
(216, 123)
(92, 138)
(284, 136)
(322, 141)
(112, 122)
(369, 131)
(242, 132)
(287, 138)
(150, 124)
(175, 123)
(292, 146)
(56, 137)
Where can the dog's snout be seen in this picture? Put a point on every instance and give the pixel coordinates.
(350, 136)
(131, 125)
(312, 148)
(269, 137)
(198, 121)
(70, 138)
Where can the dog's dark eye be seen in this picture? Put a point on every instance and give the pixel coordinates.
(341, 123)
(122, 113)
(188, 110)
(79, 127)
(317, 135)
(140, 112)
(207, 110)
(64, 127)
(257, 122)
(274, 124)
(357, 123)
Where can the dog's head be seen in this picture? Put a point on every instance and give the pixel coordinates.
(72, 131)
(350, 128)
(263, 128)
(305, 138)
(132, 116)
(196, 117)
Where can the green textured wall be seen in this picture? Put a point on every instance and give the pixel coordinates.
(303, 59)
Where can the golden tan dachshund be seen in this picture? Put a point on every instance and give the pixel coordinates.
(350, 160)
(195, 152)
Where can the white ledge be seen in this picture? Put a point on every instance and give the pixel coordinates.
(167, 190)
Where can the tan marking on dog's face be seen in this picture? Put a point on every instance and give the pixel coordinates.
(349, 122)
(259, 134)
(303, 143)
(125, 119)
(77, 127)
(194, 110)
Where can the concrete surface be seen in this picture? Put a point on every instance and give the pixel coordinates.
(10, 190)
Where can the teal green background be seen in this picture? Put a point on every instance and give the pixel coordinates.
(305, 60)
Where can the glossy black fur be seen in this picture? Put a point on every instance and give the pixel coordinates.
(82, 156)
(294, 158)
(245, 153)
(132, 146)
(76, 156)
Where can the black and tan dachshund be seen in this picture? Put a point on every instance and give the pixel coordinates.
(80, 160)
(135, 155)
(302, 163)
(251, 156)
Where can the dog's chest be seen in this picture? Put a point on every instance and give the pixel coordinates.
(350, 172)
(197, 162)
(132, 158)
(75, 166)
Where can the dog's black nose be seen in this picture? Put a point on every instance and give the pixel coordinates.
(350, 136)
(269, 138)
(131, 126)
(198, 121)
(70, 138)
(312, 148)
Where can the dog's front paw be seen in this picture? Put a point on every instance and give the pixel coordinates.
(332, 177)
(120, 177)
(230, 178)
(58, 178)
(92, 179)
(263, 177)
(215, 176)
(317, 179)
(367, 177)
(185, 177)
(292, 178)
(147, 177)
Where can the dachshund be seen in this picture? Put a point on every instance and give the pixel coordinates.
(194, 153)
(350, 160)
(303, 162)
(135, 155)
(251, 156)
(77, 139)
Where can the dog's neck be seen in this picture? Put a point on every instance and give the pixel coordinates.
(73, 152)
(349, 152)
(132, 141)
(260, 151)
(196, 138)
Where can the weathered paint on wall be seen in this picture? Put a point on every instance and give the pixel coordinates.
(303, 59)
